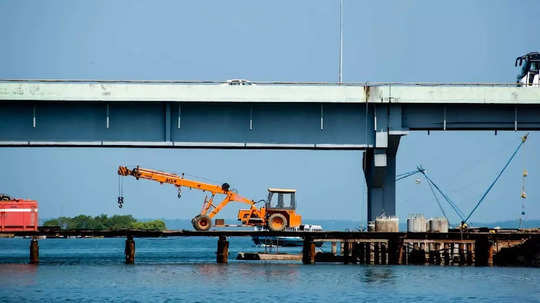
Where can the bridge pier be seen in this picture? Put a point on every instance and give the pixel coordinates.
(222, 255)
(308, 251)
(379, 166)
(34, 251)
(130, 250)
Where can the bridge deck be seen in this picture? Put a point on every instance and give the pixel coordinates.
(266, 92)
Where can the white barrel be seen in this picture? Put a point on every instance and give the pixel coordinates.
(438, 225)
(387, 224)
(416, 223)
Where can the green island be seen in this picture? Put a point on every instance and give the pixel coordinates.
(103, 222)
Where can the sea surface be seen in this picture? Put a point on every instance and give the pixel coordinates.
(184, 270)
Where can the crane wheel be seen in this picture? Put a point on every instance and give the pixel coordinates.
(277, 222)
(201, 223)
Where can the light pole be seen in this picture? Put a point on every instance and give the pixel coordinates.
(340, 73)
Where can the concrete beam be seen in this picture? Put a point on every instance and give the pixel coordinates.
(170, 91)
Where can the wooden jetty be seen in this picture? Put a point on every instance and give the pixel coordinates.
(473, 247)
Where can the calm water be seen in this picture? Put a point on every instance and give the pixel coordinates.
(183, 270)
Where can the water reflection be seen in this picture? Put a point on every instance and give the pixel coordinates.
(284, 272)
(380, 274)
(18, 274)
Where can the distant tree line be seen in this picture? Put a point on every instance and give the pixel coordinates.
(103, 222)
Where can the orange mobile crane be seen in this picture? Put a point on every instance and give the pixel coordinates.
(274, 218)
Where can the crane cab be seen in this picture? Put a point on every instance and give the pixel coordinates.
(280, 209)
(278, 213)
(529, 72)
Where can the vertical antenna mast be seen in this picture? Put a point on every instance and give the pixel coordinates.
(340, 75)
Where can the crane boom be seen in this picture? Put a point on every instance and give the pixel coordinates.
(164, 177)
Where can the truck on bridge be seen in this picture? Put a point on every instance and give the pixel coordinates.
(529, 74)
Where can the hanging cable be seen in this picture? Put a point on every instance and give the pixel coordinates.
(120, 200)
(523, 140)
(406, 175)
(432, 185)
(438, 202)
(456, 209)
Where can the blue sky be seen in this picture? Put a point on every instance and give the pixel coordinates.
(428, 41)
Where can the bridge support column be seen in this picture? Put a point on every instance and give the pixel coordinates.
(222, 250)
(130, 250)
(380, 171)
(308, 251)
(34, 251)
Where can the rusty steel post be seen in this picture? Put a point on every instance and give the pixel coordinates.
(34, 251)
(491, 251)
(308, 251)
(222, 256)
(129, 251)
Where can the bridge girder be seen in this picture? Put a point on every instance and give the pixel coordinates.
(259, 116)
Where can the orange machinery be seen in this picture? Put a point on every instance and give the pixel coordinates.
(275, 218)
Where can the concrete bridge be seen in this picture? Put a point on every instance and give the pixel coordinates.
(259, 115)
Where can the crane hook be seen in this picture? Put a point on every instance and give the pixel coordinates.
(120, 201)
(179, 192)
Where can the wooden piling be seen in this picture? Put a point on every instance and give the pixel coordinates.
(469, 254)
(483, 251)
(34, 251)
(376, 253)
(334, 248)
(346, 253)
(368, 253)
(383, 254)
(461, 254)
(405, 253)
(452, 252)
(129, 251)
(355, 253)
(362, 253)
(437, 253)
(431, 254)
(308, 251)
(446, 255)
(395, 251)
(424, 251)
(222, 255)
